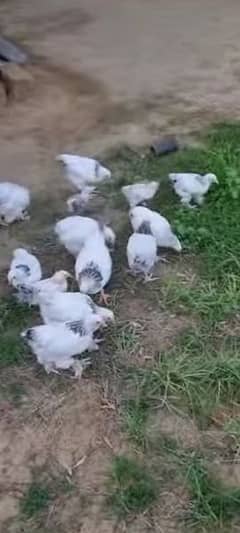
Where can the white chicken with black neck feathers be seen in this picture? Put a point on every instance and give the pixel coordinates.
(192, 187)
(145, 220)
(24, 268)
(142, 254)
(61, 307)
(28, 292)
(93, 266)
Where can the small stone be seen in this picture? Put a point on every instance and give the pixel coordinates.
(16, 80)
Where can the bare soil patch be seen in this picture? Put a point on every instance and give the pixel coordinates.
(71, 433)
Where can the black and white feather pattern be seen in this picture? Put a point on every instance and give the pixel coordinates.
(145, 228)
(24, 268)
(92, 271)
(160, 228)
(56, 345)
(78, 327)
(93, 267)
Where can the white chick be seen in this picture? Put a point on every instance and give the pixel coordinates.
(14, 201)
(56, 345)
(28, 292)
(140, 192)
(80, 200)
(69, 306)
(82, 171)
(73, 232)
(145, 220)
(142, 254)
(192, 187)
(93, 267)
(24, 268)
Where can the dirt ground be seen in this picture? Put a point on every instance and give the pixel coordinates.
(102, 73)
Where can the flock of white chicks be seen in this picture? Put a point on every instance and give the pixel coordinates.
(71, 319)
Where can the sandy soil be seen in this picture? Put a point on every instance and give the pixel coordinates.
(115, 72)
(102, 73)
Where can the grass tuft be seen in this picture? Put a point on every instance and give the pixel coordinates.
(211, 502)
(14, 317)
(36, 500)
(131, 486)
(135, 416)
(197, 375)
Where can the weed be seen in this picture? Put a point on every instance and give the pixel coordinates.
(132, 488)
(13, 318)
(36, 500)
(13, 314)
(211, 502)
(204, 298)
(13, 392)
(11, 350)
(135, 415)
(197, 374)
(127, 338)
(232, 427)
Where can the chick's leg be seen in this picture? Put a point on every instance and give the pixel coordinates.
(3, 222)
(104, 298)
(49, 367)
(186, 200)
(149, 277)
(79, 366)
(199, 199)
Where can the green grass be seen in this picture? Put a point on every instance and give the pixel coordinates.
(205, 299)
(232, 427)
(211, 232)
(45, 488)
(212, 504)
(200, 375)
(131, 488)
(135, 412)
(13, 319)
(14, 392)
(35, 500)
(14, 314)
(126, 338)
(196, 376)
(11, 350)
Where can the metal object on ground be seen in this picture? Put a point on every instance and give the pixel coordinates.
(11, 52)
(165, 145)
